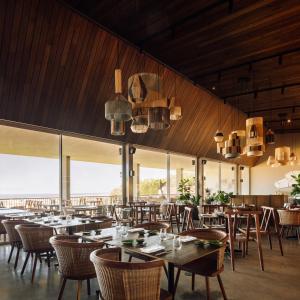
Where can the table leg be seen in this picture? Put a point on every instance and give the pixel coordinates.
(258, 240)
(171, 278)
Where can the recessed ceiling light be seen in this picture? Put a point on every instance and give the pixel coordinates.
(213, 87)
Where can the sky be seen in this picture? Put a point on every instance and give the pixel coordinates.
(23, 175)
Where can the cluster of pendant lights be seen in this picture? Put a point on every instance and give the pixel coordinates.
(146, 106)
(248, 142)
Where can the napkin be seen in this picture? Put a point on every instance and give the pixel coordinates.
(152, 249)
(187, 238)
(135, 230)
(104, 236)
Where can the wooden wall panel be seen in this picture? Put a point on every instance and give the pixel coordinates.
(56, 70)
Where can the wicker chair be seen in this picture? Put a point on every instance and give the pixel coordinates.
(2, 228)
(289, 219)
(35, 240)
(209, 266)
(73, 260)
(13, 237)
(127, 281)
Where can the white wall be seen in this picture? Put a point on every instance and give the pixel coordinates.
(263, 177)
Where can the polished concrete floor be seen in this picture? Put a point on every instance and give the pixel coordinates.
(280, 280)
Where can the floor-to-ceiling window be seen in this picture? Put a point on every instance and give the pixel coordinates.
(211, 177)
(150, 175)
(29, 167)
(182, 169)
(91, 171)
(228, 178)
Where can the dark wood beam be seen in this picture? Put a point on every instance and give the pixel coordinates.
(248, 64)
(255, 92)
(272, 109)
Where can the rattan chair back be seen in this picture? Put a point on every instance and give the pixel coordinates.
(74, 257)
(211, 234)
(154, 226)
(289, 217)
(13, 235)
(35, 238)
(124, 280)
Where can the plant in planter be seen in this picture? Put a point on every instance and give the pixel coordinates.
(223, 197)
(296, 188)
(185, 196)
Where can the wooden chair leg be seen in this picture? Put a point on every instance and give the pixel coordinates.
(166, 271)
(270, 240)
(193, 281)
(222, 287)
(25, 263)
(176, 281)
(88, 284)
(11, 252)
(207, 288)
(62, 287)
(17, 258)
(258, 239)
(79, 285)
(34, 266)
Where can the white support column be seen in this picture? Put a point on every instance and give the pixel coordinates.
(65, 180)
(137, 175)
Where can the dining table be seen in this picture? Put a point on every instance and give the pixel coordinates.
(15, 213)
(188, 253)
(58, 223)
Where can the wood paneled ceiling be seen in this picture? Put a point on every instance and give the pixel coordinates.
(245, 51)
(57, 68)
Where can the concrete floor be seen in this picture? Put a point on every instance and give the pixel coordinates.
(279, 281)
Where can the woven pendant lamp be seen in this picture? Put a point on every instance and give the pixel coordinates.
(117, 128)
(254, 137)
(139, 119)
(118, 108)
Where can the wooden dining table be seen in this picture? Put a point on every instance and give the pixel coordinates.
(57, 223)
(188, 253)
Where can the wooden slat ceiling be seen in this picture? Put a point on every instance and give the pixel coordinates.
(230, 47)
(57, 68)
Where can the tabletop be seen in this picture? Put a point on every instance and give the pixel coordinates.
(188, 253)
(57, 222)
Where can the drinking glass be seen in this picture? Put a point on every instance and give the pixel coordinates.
(177, 243)
(124, 231)
(163, 234)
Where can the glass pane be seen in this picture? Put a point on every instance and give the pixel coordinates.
(245, 180)
(228, 178)
(29, 167)
(181, 167)
(91, 172)
(150, 180)
(211, 173)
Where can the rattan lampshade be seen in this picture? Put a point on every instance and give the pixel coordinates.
(282, 154)
(232, 147)
(118, 109)
(219, 136)
(117, 128)
(159, 118)
(254, 137)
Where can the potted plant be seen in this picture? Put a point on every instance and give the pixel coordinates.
(223, 197)
(296, 188)
(185, 196)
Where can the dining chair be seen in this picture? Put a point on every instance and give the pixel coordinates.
(209, 266)
(269, 218)
(2, 228)
(289, 219)
(171, 216)
(125, 280)
(73, 261)
(235, 234)
(14, 238)
(187, 219)
(35, 240)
